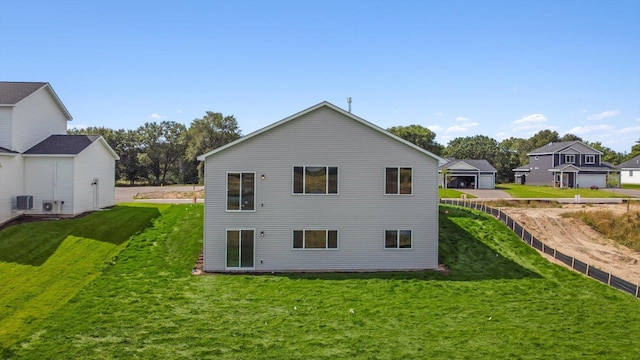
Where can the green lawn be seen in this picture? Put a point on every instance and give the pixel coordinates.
(452, 194)
(631, 186)
(531, 191)
(500, 300)
(43, 265)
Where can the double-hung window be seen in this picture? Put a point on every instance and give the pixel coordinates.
(241, 189)
(398, 180)
(398, 239)
(589, 159)
(569, 159)
(315, 180)
(315, 239)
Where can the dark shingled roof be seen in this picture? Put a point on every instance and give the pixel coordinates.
(633, 163)
(12, 92)
(6, 151)
(481, 164)
(62, 145)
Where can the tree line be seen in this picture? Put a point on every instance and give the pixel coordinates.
(166, 152)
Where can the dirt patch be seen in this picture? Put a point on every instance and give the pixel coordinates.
(575, 238)
(169, 194)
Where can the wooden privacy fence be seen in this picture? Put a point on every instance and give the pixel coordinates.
(571, 261)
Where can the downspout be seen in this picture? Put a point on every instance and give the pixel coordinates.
(55, 180)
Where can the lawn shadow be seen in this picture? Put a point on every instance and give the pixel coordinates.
(465, 257)
(34, 243)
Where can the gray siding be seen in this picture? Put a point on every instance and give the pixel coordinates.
(539, 173)
(361, 212)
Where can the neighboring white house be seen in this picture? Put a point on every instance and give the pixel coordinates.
(43, 170)
(630, 171)
(321, 190)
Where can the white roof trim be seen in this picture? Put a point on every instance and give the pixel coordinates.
(109, 149)
(203, 157)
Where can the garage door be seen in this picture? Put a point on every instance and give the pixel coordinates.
(486, 182)
(589, 180)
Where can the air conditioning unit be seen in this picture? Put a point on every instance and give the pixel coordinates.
(24, 202)
(51, 206)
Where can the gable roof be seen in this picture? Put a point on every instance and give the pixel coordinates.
(552, 147)
(67, 145)
(313, 108)
(633, 163)
(12, 92)
(481, 164)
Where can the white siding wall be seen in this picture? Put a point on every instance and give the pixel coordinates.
(630, 176)
(94, 162)
(35, 118)
(40, 181)
(361, 212)
(6, 129)
(11, 185)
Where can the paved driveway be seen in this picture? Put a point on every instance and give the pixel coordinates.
(627, 192)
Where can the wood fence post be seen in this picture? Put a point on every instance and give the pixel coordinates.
(638, 289)
(609, 280)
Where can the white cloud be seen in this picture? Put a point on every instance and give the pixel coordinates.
(583, 130)
(533, 121)
(603, 115)
(178, 111)
(461, 119)
(439, 113)
(629, 129)
(435, 127)
(461, 127)
(156, 116)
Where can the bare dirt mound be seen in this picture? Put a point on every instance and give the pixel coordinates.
(574, 238)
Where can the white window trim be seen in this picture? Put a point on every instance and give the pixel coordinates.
(255, 195)
(566, 159)
(226, 239)
(384, 180)
(326, 239)
(586, 159)
(384, 240)
(304, 180)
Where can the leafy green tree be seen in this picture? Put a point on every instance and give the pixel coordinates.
(418, 135)
(542, 138)
(570, 137)
(163, 146)
(609, 155)
(512, 154)
(209, 132)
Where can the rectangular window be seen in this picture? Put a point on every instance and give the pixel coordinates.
(315, 180)
(398, 180)
(241, 189)
(240, 248)
(589, 159)
(630, 173)
(315, 239)
(397, 239)
(569, 159)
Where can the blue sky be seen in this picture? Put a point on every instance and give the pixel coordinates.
(460, 68)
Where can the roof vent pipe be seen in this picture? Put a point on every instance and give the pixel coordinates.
(349, 102)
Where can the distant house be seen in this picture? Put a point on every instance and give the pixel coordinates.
(43, 170)
(630, 171)
(565, 164)
(321, 190)
(467, 174)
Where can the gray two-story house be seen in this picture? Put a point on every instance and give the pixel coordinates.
(571, 164)
(322, 190)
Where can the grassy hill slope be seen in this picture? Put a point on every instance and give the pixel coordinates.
(499, 300)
